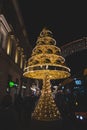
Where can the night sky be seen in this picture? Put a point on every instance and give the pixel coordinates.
(67, 20)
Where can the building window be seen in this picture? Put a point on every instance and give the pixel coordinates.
(9, 46)
(21, 58)
(17, 55)
(21, 62)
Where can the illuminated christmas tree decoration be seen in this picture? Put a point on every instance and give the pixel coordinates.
(46, 63)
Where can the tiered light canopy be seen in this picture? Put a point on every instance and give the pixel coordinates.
(46, 63)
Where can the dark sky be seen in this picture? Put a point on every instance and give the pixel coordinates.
(67, 20)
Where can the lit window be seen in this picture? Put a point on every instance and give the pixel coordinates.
(78, 82)
(16, 56)
(21, 62)
(9, 46)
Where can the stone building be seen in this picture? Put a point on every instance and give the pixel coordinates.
(14, 46)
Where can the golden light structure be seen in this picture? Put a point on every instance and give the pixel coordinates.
(46, 63)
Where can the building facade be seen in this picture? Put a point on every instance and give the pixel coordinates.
(14, 49)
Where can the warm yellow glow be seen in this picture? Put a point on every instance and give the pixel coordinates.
(46, 63)
(76, 103)
(17, 53)
(46, 108)
(21, 62)
(16, 56)
(85, 72)
(9, 46)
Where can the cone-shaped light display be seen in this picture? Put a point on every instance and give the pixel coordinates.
(46, 63)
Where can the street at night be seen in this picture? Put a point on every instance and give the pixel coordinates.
(43, 65)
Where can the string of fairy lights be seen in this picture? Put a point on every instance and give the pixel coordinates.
(46, 63)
